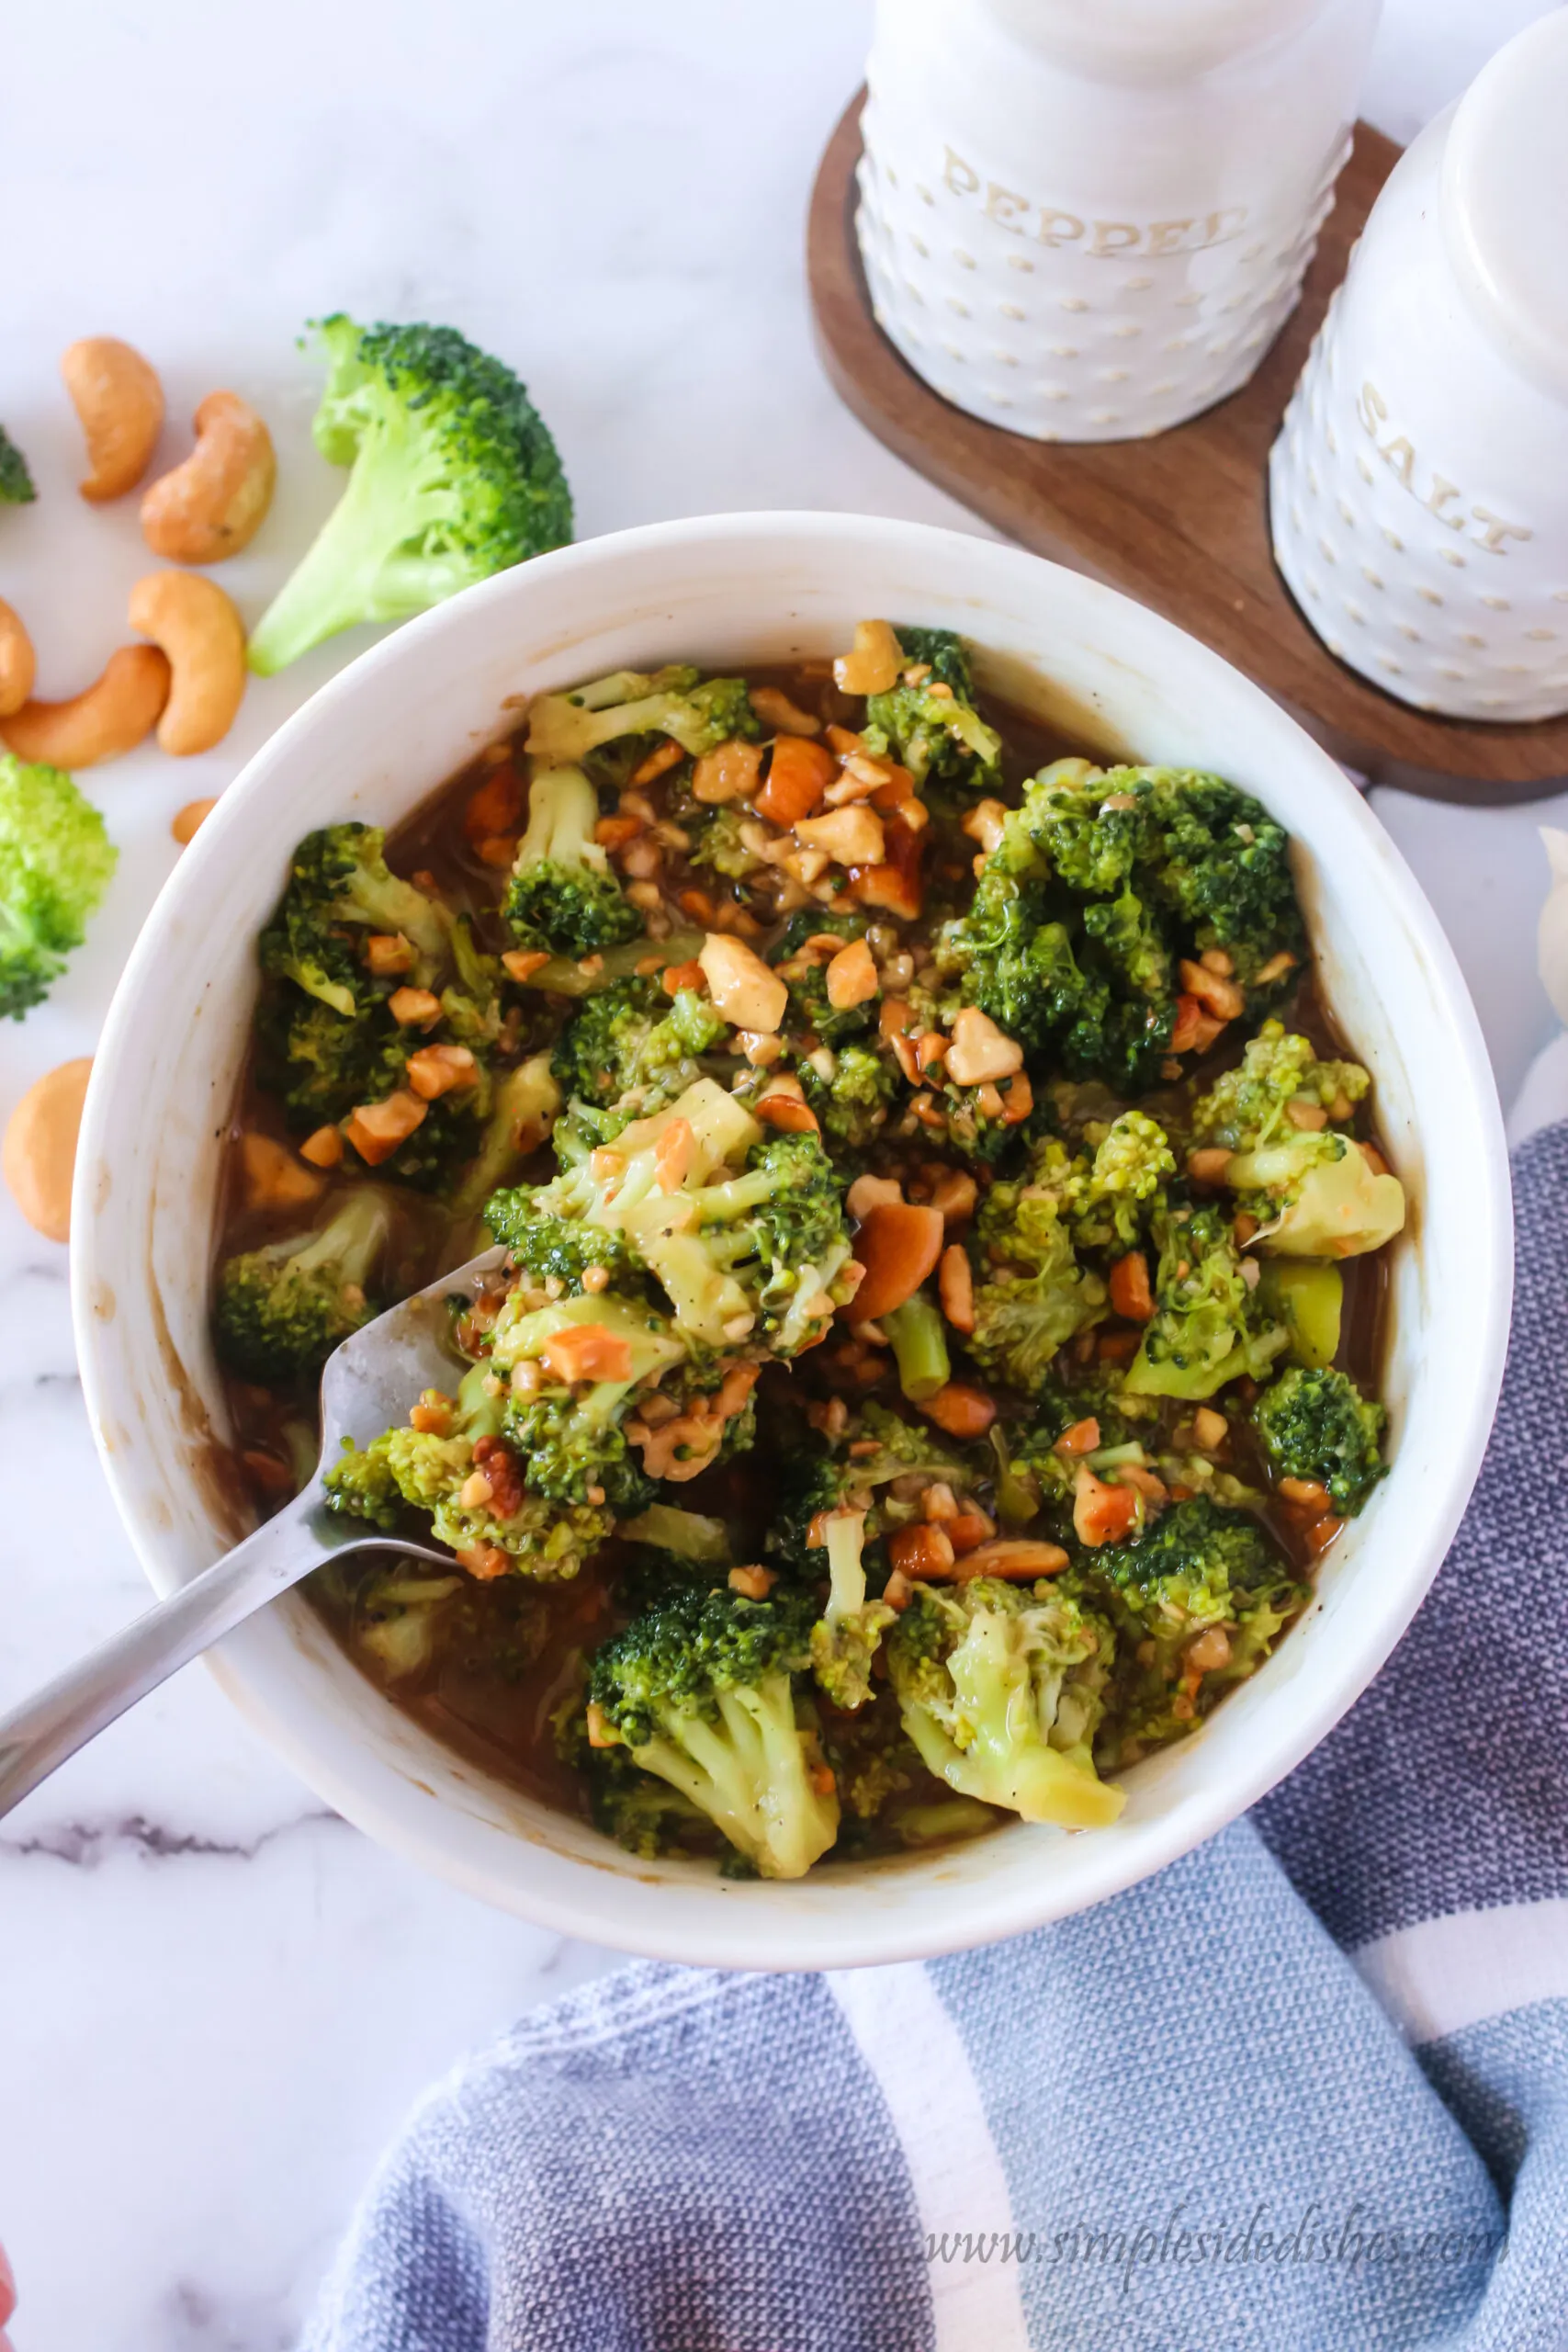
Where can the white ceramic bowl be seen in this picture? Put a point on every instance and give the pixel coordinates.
(372, 744)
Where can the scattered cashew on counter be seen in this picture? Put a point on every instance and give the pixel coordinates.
(39, 1155)
(214, 505)
(119, 402)
(17, 665)
(199, 628)
(109, 716)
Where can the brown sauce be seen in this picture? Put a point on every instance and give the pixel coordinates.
(509, 1650)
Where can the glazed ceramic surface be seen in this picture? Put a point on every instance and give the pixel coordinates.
(1419, 485)
(1088, 224)
(731, 590)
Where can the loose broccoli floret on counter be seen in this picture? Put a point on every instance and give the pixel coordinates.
(473, 1487)
(564, 730)
(1198, 1599)
(1315, 1424)
(341, 894)
(932, 728)
(56, 860)
(563, 897)
(15, 481)
(1250, 1106)
(280, 1310)
(702, 1691)
(1001, 1690)
(1209, 1325)
(632, 1049)
(1097, 890)
(453, 477)
(846, 1636)
(1033, 1294)
(1316, 1195)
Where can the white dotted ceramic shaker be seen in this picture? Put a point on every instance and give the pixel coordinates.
(1419, 485)
(1087, 219)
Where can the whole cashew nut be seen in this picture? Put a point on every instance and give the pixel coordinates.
(17, 664)
(119, 402)
(109, 717)
(38, 1156)
(215, 503)
(204, 638)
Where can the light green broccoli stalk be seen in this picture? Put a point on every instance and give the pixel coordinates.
(1001, 1690)
(1315, 1424)
(280, 1310)
(55, 863)
(1318, 1195)
(455, 477)
(563, 897)
(702, 1689)
(1209, 1325)
(845, 1638)
(565, 729)
(522, 1108)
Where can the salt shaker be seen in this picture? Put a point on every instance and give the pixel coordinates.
(1087, 219)
(1419, 484)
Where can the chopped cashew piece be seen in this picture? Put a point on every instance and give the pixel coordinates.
(272, 1176)
(375, 1129)
(851, 977)
(437, 1070)
(955, 1284)
(1016, 1556)
(774, 708)
(729, 772)
(187, 822)
(868, 1193)
(413, 1008)
(322, 1149)
(984, 824)
(980, 1051)
(748, 994)
(873, 665)
(852, 836)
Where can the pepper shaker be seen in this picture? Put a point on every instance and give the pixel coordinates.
(1419, 483)
(1088, 220)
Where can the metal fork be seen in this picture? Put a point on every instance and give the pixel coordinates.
(366, 1384)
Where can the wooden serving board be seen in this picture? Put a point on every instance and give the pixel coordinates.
(1181, 522)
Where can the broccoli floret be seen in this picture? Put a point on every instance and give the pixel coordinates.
(55, 863)
(935, 733)
(852, 1105)
(1109, 1205)
(1001, 1690)
(631, 1049)
(1248, 1106)
(563, 897)
(1316, 1424)
(15, 481)
(280, 1310)
(341, 892)
(431, 1473)
(1198, 1599)
(1099, 885)
(576, 1450)
(1207, 1326)
(1316, 1195)
(815, 1483)
(717, 843)
(588, 1356)
(1034, 1295)
(777, 1232)
(702, 1690)
(453, 477)
(646, 1815)
(846, 1636)
(561, 1248)
(565, 729)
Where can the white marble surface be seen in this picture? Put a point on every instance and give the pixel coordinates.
(215, 2000)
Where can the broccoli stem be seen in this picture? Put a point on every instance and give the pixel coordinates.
(920, 1348)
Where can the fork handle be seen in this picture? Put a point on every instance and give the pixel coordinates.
(44, 1730)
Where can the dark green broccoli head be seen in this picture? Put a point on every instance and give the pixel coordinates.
(633, 1049)
(453, 477)
(1316, 1424)
(811, 1012)
(932, 728)
(15, 481)
(322, 1063)
(561, 1248)
(429, 1473)
(562, 896)
(280, 1310)
(1210, 1323)
(778, 1230)
(1246, 1109)
(576, 1451)
(56, 860)
(340, 893)
(817, 1478)
(1190, 1564)
(1032, 1294)
(701, 1689)
(852, 1105)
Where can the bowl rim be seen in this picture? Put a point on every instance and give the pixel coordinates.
(857, 1937)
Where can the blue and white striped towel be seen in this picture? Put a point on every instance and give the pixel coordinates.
(1307, 2088)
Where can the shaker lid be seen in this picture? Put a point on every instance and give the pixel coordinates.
(1504, 200)
(1146, 41)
